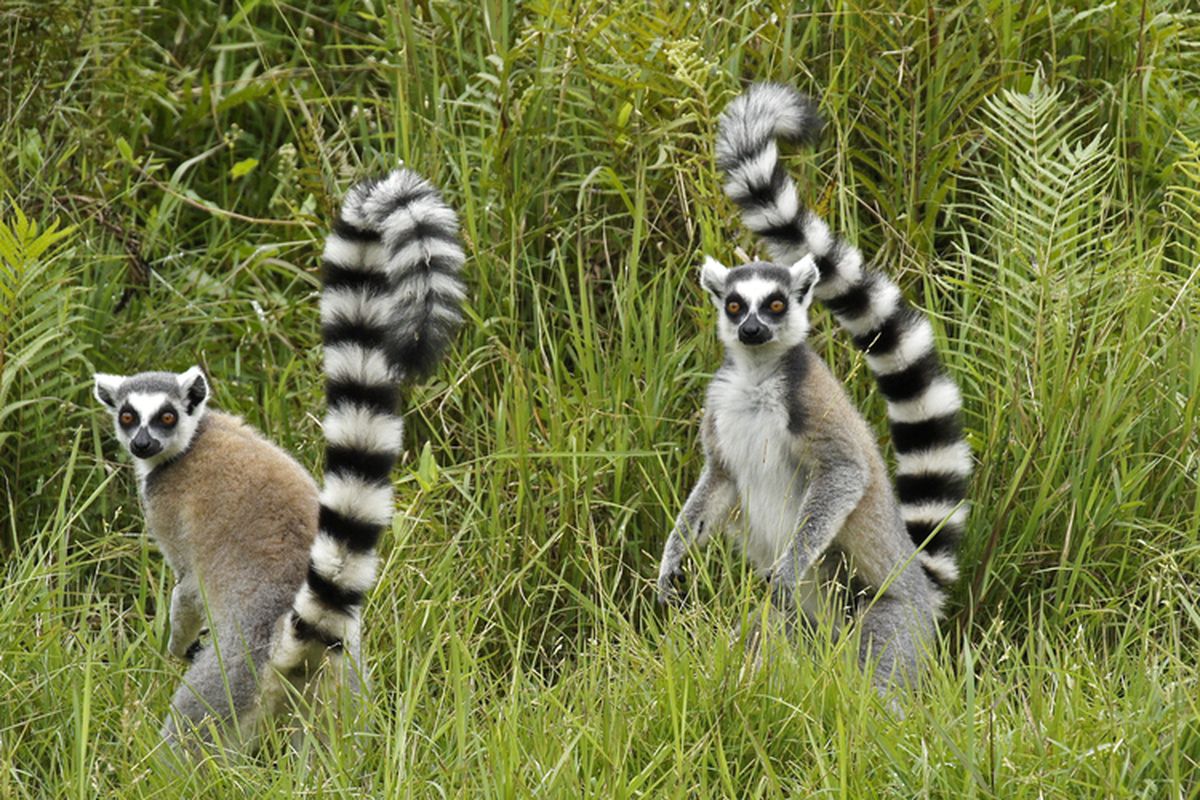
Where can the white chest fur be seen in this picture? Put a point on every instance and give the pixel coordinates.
(750, 418)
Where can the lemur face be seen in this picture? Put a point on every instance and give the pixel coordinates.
(155, 413)
(761, 304)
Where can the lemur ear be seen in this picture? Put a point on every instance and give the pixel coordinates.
(194, 386)
(712, 278)
(804, 277)
(106, 387)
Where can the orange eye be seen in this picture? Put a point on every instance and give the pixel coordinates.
(126, 418)
(167, 418)
(733, 306)
(777, 306)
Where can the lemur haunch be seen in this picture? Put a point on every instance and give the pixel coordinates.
(781, 437)
(274, 567)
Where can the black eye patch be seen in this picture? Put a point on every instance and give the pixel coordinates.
(735, 306)
(127, 417)
(166, 417)
(775, 304)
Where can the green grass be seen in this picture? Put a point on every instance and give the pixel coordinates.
(1029, 172)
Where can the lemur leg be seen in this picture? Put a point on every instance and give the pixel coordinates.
(834, 492)
(707, 508)
(220, 688)
(898, 628)
(187, 617)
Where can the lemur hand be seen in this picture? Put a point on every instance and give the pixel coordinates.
(671, 581)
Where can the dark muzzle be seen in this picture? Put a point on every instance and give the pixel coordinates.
(753, 332)
(143, 445)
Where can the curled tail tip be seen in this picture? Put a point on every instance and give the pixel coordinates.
(761, 114)
(794, 114)
(371, 204)
(414, 257)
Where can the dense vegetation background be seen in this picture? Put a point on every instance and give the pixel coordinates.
(1029, 171)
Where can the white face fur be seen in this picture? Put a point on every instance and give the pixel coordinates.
(155, 413)
(763, 307)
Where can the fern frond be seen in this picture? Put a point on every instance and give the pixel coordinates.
(1048, 187)
(1182, 206)
(42, 360)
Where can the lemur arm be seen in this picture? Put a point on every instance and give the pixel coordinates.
(706, 508)
(187, 617)
(835, 488)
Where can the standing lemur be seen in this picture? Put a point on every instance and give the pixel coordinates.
(274, 567)
(781, 437)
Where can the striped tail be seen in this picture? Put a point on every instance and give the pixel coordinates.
(934, 460)
(390, 305)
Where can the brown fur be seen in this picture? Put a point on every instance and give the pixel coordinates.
(235, 517)
(232, 461)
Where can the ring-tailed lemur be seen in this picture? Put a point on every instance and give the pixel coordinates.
(782, 438)
(275, 568)
(934, 460)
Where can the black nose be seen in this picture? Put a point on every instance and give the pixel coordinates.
(753, 332)
(144, 445)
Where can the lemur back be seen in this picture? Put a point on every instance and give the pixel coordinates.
(235, 518)
(275, 568)
(230, 460)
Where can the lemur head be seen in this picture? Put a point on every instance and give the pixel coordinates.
(155, 413)
(763, 305)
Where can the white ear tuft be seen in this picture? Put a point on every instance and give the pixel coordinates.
(194, 386)
(804, 277)
(105, 388)
(712, 277)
